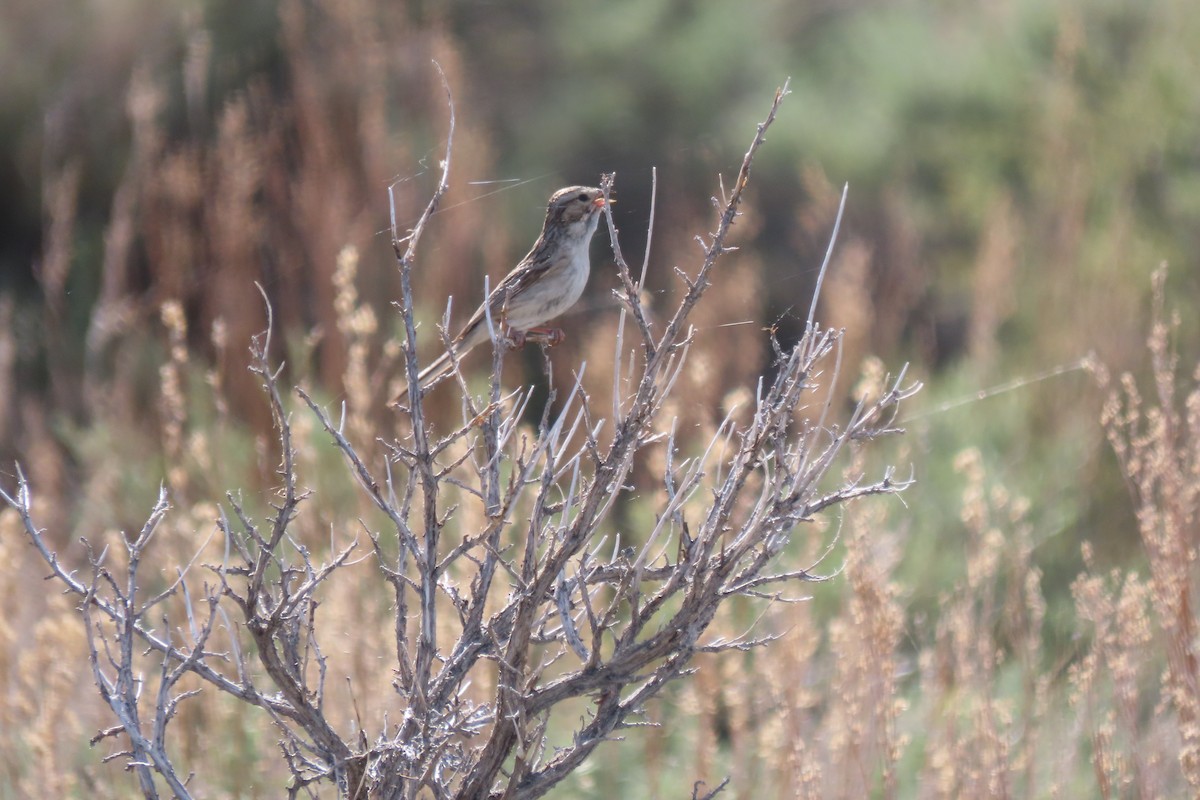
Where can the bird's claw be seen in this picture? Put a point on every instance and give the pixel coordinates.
(547, 336)
(514, 339)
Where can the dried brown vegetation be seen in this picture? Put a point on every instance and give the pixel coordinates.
(970, 704)
(280, 178)
(538, 607)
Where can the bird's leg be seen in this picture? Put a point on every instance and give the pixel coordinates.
(546, 336)
(516, 339)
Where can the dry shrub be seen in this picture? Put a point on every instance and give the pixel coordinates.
(993, 709)
(289, 193)
(498, 597)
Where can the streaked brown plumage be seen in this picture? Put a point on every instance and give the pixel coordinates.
(543, 285)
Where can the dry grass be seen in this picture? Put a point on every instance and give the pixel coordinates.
(862, 696)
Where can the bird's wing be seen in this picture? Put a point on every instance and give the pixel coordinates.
(515, 282)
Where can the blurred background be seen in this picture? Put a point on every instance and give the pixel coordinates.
(1017, 169)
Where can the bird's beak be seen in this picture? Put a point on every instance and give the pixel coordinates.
(599, 202)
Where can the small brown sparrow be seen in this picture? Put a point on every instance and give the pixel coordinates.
(543, 285)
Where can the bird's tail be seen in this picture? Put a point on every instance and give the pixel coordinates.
(440, 367)
(443, 365)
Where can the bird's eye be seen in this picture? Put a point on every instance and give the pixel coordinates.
(583, 198)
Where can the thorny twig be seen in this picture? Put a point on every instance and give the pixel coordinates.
(544, 600)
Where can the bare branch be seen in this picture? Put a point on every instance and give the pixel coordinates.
(508, 569)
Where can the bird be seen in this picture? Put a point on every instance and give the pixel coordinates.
(544, 284)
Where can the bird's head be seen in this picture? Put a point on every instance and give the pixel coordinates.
(576, 208)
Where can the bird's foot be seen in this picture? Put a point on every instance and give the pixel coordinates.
(513, 339)
(547, 336)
